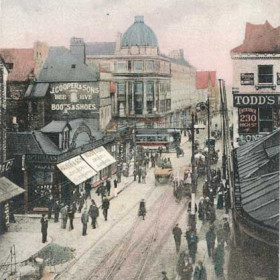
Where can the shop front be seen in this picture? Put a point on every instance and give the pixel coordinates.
(8, 190)
(258, 115)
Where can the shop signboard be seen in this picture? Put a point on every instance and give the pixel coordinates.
(246, 100)
(67, 97)
(6, 166)
(247, 79)
(248, 120)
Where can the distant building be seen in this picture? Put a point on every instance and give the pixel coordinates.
(8, 190)
(153, 88)
(256, 83)
(207, 86)
(23, 66)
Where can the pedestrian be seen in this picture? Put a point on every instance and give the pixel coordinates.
(186, 269)
(177, 232)
(200, 272)
(142, 209)
(220, 199)
(220, 235)
(164, 275)
(193, 245)
(218, 258)
(116, 187)
(108, 186)
(139, 174)
(44, 228)
(144, 176)
(226, 230)
(56, 211)
(84, 220)
(134, 174)
(201, 209)
(105, 207)
(227, 200)
(88, 190)
(210, 239)
(71, 214)
(187, 235)
(64, 216)
(50, 207)
(93, 213)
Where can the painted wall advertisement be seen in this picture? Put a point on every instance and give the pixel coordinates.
(248, 120)
(74, 97)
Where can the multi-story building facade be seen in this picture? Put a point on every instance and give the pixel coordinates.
(151, 87)
(256, 83)
(24, 66)
(8, 190)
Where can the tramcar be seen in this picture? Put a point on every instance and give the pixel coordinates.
(152, 138)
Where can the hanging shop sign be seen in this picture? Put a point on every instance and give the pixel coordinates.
(247, 79)
(248, 120)
(241, 100)
(74, 97)
(245, 138)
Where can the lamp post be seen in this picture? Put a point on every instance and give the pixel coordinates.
(208, 143)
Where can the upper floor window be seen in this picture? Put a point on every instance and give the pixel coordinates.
(121, 66)
(121, 88)
(149, 65)
(150, 88)
(138, 65)
(66, 139)
(265, 73)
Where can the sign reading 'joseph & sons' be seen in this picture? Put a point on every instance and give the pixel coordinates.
(248, 120)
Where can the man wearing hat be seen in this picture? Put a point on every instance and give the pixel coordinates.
(164, 275)
(177, 232)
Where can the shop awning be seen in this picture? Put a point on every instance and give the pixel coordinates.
(8, 189)
(76, 170)
(98, 158)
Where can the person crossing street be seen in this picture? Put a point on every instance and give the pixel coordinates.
(84, 220)
(177, 233)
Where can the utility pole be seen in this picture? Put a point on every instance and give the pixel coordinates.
(192, 214)
(208, 142)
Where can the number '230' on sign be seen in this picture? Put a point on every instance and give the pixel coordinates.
(248, 120)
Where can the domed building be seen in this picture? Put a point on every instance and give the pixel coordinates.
(153, 88)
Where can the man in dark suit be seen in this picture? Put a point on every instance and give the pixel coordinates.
(105, 207)
(44, 228)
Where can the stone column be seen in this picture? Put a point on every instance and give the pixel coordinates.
(126, 99)
(132, 112)
(145, 98)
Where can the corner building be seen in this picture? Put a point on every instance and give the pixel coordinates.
(256, 83)
(152, 87)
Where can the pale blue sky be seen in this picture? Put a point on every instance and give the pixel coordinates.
(206, 29)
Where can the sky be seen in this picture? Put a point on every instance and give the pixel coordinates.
(205, 29)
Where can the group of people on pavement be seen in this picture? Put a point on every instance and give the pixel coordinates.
(78, 203)
(187, 258)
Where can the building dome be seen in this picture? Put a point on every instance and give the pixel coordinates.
(139, 34)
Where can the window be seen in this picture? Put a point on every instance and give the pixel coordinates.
(121, 88)
(149, 65)
(138, 88)
(157, 66)
(138, 65)
(150, 88)
(105, 66)
(121, 66)
(73, 66)
(266, 119)
(66, 138)
(265, 74)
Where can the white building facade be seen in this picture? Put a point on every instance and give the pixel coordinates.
(256, 83)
